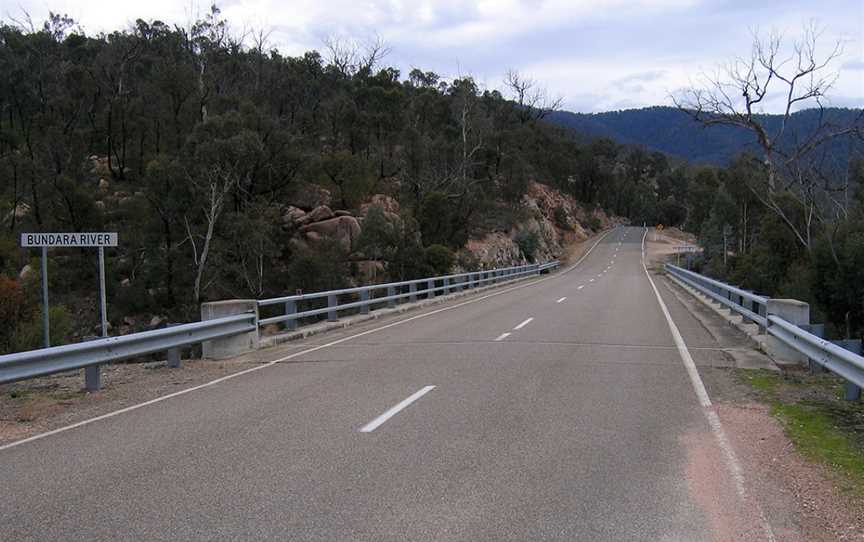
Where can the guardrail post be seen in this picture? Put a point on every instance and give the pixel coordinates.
(747, 304)
(852, 391)
(93, 373)
(172, 356)
(93, 377)
(235, 345)
(412, 289)
(446, 285)
(332, 314)
(364, 296)
(431, 287)
(291, 308)
(391, 291)
(762, 310)
(819, 331)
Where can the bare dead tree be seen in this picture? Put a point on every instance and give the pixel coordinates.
(214, 185)
(802, 77)
(533, 100)
(351, 57)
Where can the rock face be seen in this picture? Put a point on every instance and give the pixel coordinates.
(495, 250)
(345, 229)
(541, 204)
(291, 216)
(322, 212)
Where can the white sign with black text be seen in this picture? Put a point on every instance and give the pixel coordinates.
(90, 239)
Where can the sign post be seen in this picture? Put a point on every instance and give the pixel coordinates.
(103, 309)
(46, 321)
(70, 240)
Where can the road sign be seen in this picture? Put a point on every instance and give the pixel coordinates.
(45, 241)
(687, 248)
(77, 240)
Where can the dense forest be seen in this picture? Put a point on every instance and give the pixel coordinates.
(674, 132)
(208, 153)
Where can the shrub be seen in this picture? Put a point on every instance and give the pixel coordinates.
(440, 259)
(528, 242)
(561, 219)
(29, 332)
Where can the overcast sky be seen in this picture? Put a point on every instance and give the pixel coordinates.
(598, 55)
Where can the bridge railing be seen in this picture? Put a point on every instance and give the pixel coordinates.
(56, 359)
(751, 306)
(365, 298)
(837, 357)
(232, 327)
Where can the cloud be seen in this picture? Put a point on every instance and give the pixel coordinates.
(596, 53)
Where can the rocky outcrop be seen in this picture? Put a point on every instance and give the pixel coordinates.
(322, 212)
(556, 220)
(345, 229)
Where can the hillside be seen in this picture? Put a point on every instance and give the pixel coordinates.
(229, 172)
(671, 131)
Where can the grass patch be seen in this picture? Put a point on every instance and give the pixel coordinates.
(818, 437)
(823, 426)
(766, 382)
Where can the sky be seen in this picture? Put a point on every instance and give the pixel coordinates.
(598, 55)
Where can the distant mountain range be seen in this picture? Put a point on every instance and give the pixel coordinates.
(674, 132)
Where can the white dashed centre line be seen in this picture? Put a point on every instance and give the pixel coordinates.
(592, 280)
(523, 324)
(374, 424)
(561, 300)
(580, 286)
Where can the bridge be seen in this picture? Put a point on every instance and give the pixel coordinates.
(560, 406)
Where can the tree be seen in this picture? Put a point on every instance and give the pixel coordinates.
(799, 78)
(532, 100)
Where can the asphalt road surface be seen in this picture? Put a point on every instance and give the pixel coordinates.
(552, 409)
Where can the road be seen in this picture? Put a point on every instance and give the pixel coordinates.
(561, 410)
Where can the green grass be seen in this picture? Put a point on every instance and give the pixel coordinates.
(763, 381)
(818, 437)
(822, 425)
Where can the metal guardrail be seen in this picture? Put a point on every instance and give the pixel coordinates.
(89, 355)
(393, 292)
(46, 361)
(835, 358)
(751, 306)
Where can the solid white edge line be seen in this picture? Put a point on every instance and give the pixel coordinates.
(562, 299)
(523, 324)
(732, 462)
(502, 336)
(376, 423)
(294, 355)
